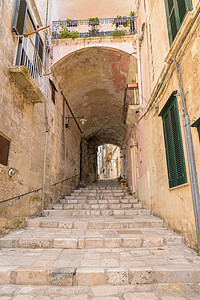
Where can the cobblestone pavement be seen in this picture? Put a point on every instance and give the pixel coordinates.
(133, 292)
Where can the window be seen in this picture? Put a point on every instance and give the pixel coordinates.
(176, 11)
(4, 150)
(53, 91)
(197, 125)
(173, 143)
(23, 23)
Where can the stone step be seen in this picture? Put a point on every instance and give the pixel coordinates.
(116, 222)
(89, 239)
(109, 199)
(104, 292)
(101, 191)
(100, 201)
(98, 206)
(64, 276)
(97, 212)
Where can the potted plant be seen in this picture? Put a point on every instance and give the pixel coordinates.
(71, 23)
(93, 21)
(120, 21)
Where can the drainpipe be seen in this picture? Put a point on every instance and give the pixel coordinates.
(139, 61)
(188, 140)
(46, 116)
(190, 155)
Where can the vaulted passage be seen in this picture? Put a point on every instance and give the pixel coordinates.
(93, 80)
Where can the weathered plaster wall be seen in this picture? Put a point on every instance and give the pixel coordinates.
(173, 205)
(24, 124)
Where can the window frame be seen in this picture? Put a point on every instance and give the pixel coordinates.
(173, 143)
(39, 44)
(4, 161)
(189, 7)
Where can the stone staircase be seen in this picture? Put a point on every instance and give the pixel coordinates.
(98, 243)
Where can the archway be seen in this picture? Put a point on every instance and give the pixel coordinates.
(108, 162)
(94, 81)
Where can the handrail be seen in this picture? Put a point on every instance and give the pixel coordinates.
(37, 190)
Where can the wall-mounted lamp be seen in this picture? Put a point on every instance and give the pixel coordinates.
(136, 145)
(82, 119)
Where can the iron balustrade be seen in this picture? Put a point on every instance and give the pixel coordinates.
(131, 97)
(28, 56)
(84, 28)
(75, 184)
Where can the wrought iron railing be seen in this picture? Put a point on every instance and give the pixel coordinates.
(74, 180)
(131, 96)
(31, 59)
(116, 27)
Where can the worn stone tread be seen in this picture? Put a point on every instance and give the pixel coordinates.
(133, 292)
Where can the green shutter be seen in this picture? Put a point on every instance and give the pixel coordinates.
(173, 145)
(176, 11)
(20, 17)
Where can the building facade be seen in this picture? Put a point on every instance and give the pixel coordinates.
(168, 47)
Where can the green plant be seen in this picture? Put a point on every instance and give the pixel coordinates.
(93, 32)
(19, 222)
(132, 13)
(119, 178)
(66, 34)
(118, 33)
(96, 19)
(74, 35)
(68, 21)
(35, 199)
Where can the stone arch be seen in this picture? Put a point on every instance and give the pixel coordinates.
(94, 81)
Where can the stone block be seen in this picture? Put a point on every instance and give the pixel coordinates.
(100, 291)
(141, 276)
(48, 224)
(61, 276)
(34, 243)
(65, 224)
(132, 242)
(153, 241)
(8, 243)
(113, 242)
(117, 276)
(90, 277)
(65, 243)
(94, 243)
(140, 296)
(31, 276)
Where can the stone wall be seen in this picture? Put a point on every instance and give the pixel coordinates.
(159, 80)
(23, 123)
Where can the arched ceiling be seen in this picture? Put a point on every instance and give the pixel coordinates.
(93, 81)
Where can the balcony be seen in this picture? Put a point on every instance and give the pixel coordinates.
(131, 104)
(29, 70)
(94, 27)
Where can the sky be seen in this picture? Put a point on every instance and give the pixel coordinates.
(84, 9)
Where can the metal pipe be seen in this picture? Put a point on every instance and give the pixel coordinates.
(72, 113)
(63, 122)
(46, 117)
(190, 156)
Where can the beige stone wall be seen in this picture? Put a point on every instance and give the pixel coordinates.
(24, 124)
(173, 205)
